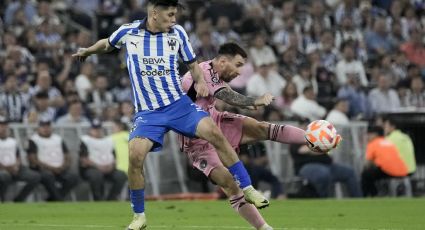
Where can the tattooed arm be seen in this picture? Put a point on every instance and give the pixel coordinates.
(232, 97)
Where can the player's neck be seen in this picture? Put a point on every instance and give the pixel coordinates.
(150, 26)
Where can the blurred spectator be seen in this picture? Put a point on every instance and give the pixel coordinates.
(11, 168)
(123, 92)
(40, 109)
(97, 163)
(260, 51)
(288, 96)
(48, 39)
(48, 154)
(223, 32)
(383, 99)
(359, 107)
(414, 49)
(207, 49)
(83, 82)
(348, 8)
(403, 143)
(329, 55)
(415, 96)
(338, 115)
(75, 114)
(256, 161)
(382, 161)
(126, 109)
(44, 84)
(27, 6)
(265, 80)
(350, 66)
(317, 13)
(378, 41)
(120, 136)
(348, 32)
(13, 103)
(321, 172)
(305, 78)
(100, 98)
(306, 106)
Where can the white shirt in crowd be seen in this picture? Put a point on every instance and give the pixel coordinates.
(344, 68)
(258, 85)
(307, 108)
(337, 117)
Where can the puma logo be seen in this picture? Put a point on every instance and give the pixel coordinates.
(134, 43)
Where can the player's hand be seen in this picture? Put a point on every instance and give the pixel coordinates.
(201, 89)
(81, 54)
(264, 100)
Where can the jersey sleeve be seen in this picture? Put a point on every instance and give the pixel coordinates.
(117, 38)
(185, 49)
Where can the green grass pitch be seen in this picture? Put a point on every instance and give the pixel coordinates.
(362, 214)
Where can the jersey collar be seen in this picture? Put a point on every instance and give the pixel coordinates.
(143, 26)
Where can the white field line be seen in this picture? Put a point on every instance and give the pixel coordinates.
(173, 227)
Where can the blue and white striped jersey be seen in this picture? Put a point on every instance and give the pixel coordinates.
(152, 62)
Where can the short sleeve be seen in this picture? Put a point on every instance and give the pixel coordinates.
(117, 39)
(185, 49)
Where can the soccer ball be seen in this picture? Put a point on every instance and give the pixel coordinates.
(322, 136)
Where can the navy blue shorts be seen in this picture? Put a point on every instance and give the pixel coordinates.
(182, 116)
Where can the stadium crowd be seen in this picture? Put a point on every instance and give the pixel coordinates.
(340, 60)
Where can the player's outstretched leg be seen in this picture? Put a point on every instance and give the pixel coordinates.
(138, 149)
(207, 130)
(254, 130)
(221, 176)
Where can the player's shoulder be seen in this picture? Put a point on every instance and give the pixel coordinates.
(178, 29)
(131, 25)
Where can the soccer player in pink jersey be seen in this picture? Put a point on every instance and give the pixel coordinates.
(238, 129)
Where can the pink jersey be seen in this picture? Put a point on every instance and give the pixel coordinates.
(229, 123)
(213, 81)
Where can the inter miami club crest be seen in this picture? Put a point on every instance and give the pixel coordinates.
(172, 43)
(203, 164)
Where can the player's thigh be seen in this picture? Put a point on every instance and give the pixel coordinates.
(253, 130)
(209, 131)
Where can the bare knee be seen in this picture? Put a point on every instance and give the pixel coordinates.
(137, 155)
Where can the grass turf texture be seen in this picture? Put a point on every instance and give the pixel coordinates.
(394, 214)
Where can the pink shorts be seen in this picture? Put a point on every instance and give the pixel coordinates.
(203, 155)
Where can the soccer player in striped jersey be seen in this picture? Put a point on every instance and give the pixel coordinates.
(153, 46)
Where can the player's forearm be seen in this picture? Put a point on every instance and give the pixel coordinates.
(234, 98)
(101, 46)
(196, 72)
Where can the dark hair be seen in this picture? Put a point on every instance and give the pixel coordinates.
(307, 88)
(375, 129)
(387, 118)
(165, 3)
(42, 95)
(348, 43)
(232, 49)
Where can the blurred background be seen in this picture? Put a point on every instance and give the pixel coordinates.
(354, 63)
